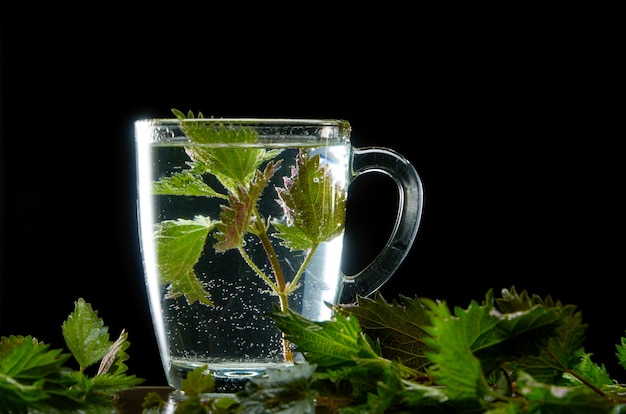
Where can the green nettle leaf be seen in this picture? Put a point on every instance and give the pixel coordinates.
(389, 392)
(281, 391)
(547, 346)
(512, 301)
(561, 347)
(592, 372)
(399, 327)
(621, 351)
(27, 358)
(85, 334)
(239, 216)
(231, 166)
(179, 246)
(17, 398)
(198, 382)
(314, 206)
(455, 366)
(25, 366)
(545, 398)
(325, 343)
(185, 183)
(496, 338)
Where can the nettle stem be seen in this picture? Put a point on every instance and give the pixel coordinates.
(280, 286)
(305, 263)
(273, 258)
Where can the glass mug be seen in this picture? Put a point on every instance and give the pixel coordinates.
(241, 217)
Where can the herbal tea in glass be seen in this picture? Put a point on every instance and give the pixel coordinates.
(240, 216)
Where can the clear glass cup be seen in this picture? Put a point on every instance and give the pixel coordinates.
(239, 217)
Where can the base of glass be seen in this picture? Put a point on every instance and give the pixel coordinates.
(233, 380)
(229, 377)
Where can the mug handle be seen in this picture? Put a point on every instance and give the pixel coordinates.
(410, 203)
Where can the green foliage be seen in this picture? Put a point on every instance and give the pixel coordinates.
(473, 360)
(35, 378)
(196, 400)
(312, 218)
(85, 335)
(555, 352)
(197, 382)
(327, 343)
(153, 403)
(594, 374)
(25, 363)
(494, 338)
(540, 398)
(186, 183)
(405, 339)
(179, 246)
(455, 366)
(621, 352)
(280, 391)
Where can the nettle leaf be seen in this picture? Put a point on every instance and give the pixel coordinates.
(496, 338)
(455, 367)
(281, 391)
(16, 397)
(231, 166)
(314, 206)
(562, 347)
(185, 183)
(27, 358)
(398, 327)
(555, 399)
(85, 334)
(390, 391)
(198, 382)
(480, 339)
(30, 375)
(179, 246)
(551, 349)
(621, 351)
(592, 372)
(326, 343)
(511, 301)
(103, 386)
(238, 217)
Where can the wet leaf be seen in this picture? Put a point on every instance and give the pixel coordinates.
(314, 206)
(179, 246)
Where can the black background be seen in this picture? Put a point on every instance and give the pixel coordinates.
(515, 129)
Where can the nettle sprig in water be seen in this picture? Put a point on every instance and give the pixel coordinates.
(311, 215)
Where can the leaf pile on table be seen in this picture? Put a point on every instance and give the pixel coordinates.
(519, 353)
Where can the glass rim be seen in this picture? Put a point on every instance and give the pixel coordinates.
(250, 121)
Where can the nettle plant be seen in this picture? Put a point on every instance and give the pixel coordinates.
(244, 174)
